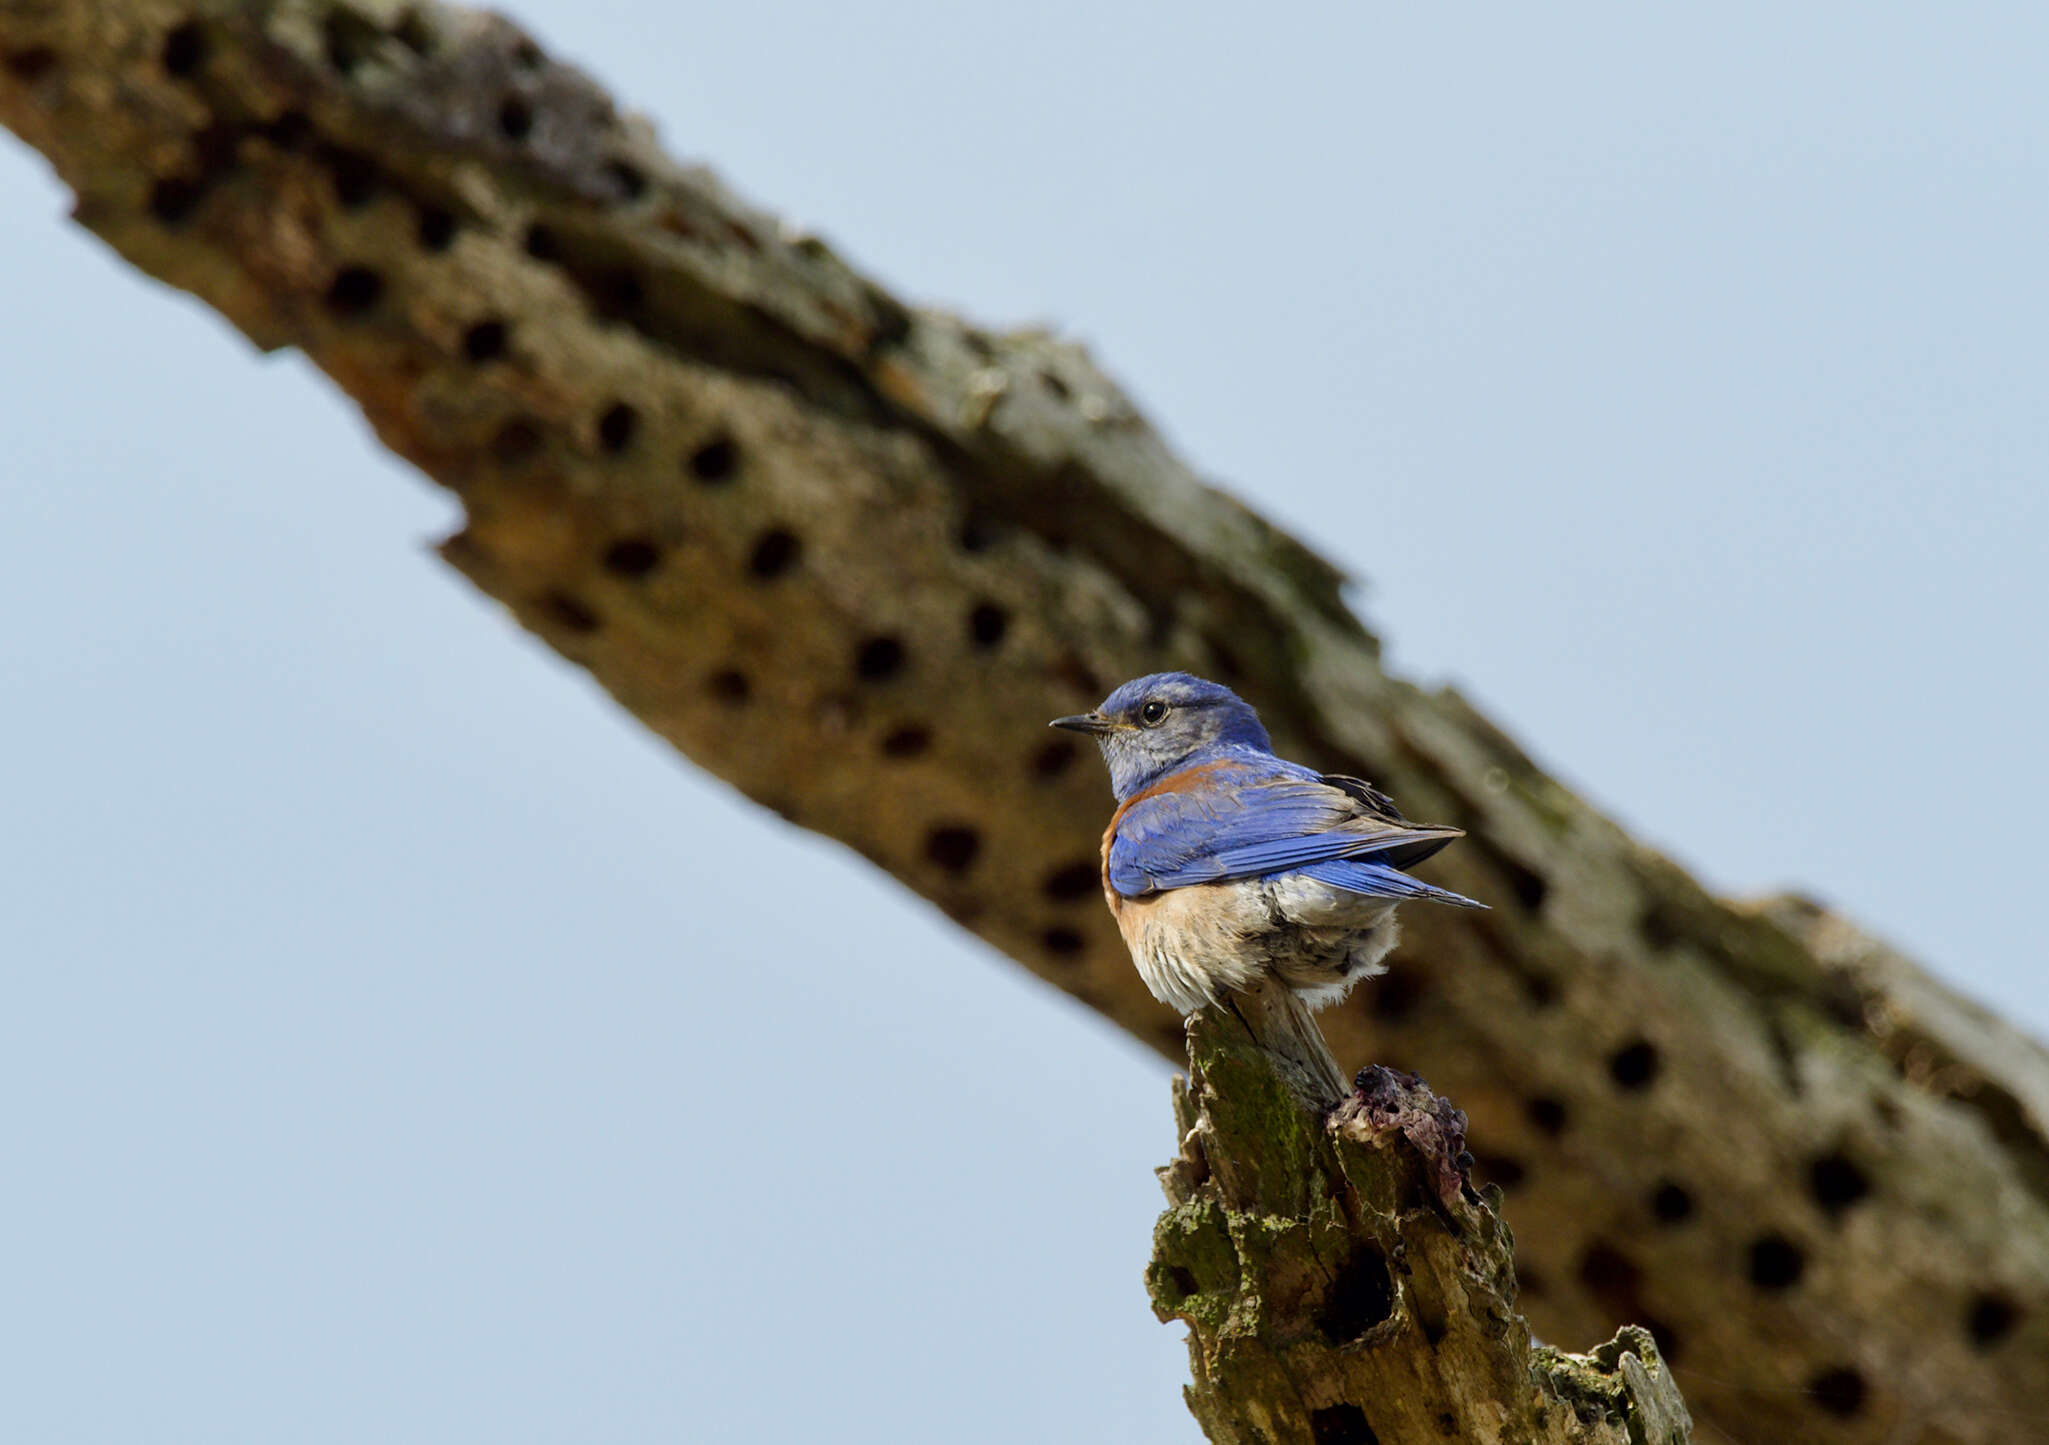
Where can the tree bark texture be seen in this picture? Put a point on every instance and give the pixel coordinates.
(1341, 1280)
(849, 556)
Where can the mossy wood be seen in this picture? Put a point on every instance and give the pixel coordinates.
(1341, 1280)
(739, 483)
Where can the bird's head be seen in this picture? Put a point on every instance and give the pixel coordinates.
(1152, 725)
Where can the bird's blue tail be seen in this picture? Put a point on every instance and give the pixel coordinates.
(1377, 880)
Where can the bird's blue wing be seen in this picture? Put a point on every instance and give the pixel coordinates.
(1223, 820)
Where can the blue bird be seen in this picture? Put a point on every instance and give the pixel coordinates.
(1226, 866)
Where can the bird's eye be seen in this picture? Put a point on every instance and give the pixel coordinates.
(1153, 714)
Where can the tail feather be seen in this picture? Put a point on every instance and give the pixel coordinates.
(1377, 880)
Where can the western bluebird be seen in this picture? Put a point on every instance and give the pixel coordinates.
(1226, 866)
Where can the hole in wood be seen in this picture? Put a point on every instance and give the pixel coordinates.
(414, 33)
(878, 659)
(716, 461)
(516, 441)
(1776, 1263)
(1394, 995)
(777, 551)
(616, 428)
(953, 847)
(31, 64)
(174, 198)
(1609, 1275)
(1062, 943)
(436, 230)
(1182, 1282)
(986, 624)
(1836, 1183)
(1073, 881)
(484, 341)
(1360, 1296)
(978, 532)
(1990, 1319)
(626, 178)
(1838, 1391)
(618, 295)
(571, 612)
(184, 49)
(355, 177)
(1341, 1424)
(289, 131)
(347, 39)
(632, 558)
(515, 118)
(908, 741)
(1671, 1204)
(354, 291)
(1050, 760)
(1527, 884)
(1500, 1169)
(1634, 1065)
(1547, 1115)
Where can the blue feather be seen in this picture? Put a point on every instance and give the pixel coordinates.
(1377, 880)
(1247, 817)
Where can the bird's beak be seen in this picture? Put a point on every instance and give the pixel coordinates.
(1086, 722)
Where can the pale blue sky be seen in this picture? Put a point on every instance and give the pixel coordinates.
(1674, 384)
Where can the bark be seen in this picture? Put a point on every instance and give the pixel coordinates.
(1341, 1280)
(850, 556)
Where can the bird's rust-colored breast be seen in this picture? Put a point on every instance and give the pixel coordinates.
(1186, 780)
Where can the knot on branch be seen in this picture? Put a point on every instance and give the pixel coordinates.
(1385, 1102)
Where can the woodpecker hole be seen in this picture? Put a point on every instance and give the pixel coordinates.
(184, 49)
(908, 741)
(1776, 1263)
(571, 612)
(730, 686)
(1073, 881)
(484, 341)
(1634, 1065)
(1062, 943)
(354, 291)
(878, 659)
(616, 428)
(1360, 1297)
(436, 230)
(1341, 1424)
(1671, 1204)
(716, 461)
(986, 624)
(953, 847)
(777, 551)
(632, 557)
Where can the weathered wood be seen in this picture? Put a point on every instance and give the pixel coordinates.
(849, 556)
(1342, 1282)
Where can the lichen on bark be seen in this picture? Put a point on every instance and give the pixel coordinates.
(1343, 1282)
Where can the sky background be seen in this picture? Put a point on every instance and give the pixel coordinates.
(371, 1064)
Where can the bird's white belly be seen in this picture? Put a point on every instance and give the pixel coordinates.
(1192, 945)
